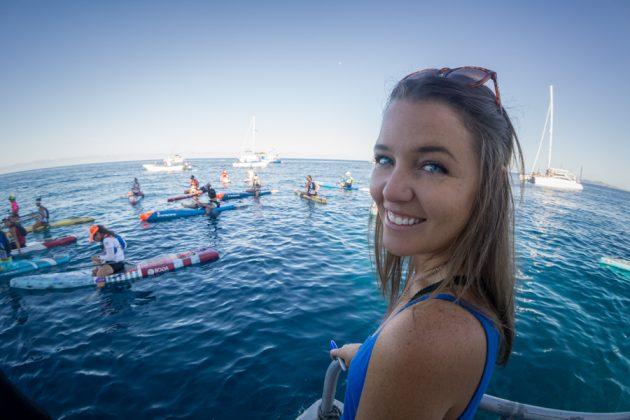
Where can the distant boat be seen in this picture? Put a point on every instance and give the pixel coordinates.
(173, 163)
(552, 177)
(249, 158)
(271, 157)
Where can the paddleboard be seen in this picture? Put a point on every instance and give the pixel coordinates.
(40, 246)
(161, 215)
(315, 198)
(236, 195)
(147, 268)
(337, 186)
(182, 197)
(63, 222)
(616, 263)
(26, 266)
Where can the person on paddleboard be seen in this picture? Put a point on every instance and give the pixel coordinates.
(443, 248)
(17, 231)
(312, 187)
(6, 262)
(347, 180)
(213, 201)
(194, 185)
(15, 207)
(112, 260)
(135, 188)
(255, 185)
(225, 177)
(42, 216)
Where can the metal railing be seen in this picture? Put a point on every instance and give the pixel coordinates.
(328, 408)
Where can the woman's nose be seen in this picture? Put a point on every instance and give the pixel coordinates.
(398, 185)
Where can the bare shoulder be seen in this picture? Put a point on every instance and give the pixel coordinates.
(426, 363)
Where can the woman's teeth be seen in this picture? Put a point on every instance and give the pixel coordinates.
(402, 220)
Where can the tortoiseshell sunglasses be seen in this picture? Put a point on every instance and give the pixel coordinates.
(477, 75)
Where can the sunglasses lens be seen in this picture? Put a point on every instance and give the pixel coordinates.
(476, 75)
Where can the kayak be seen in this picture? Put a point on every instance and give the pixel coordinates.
(161, 215)
(146, 268)
(616, 263)
(40, 246)
(63, 222)
(315, 198)
(25, 266)
(135, 199)
(236, 195)
(343, 188)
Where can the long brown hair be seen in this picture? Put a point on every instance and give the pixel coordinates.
(483, 252)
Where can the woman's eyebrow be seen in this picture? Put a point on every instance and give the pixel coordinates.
(421, 150)
(435, 149)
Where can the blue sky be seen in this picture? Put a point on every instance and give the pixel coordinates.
(85, 81)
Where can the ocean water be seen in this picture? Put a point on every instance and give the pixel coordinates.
(247, 336)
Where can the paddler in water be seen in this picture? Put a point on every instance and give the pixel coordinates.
(18, 233)
(311, 186)
(112, 260)
(15, 207)
(255, 185)
(225, 177)
(135, 189)
(42, 214)
(347, 180)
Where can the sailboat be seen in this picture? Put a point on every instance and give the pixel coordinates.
(553, 177)
(249, 158)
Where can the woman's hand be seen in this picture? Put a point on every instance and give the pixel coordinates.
(96, 260)
(346, 352)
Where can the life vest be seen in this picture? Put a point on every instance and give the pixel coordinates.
(311, 187)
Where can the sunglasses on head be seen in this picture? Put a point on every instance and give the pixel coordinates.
(477, 76)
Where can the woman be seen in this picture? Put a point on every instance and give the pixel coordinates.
(312, 187)
(443, 250)
(17, 231)
(112, 260)
(42, 216)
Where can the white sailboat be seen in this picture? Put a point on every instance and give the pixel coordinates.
(249, 158)
(552, 177)
(173, 163)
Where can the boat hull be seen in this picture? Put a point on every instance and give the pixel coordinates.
(551, 182)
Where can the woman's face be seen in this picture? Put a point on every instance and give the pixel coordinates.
(425, 179)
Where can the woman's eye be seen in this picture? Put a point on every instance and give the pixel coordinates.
(382, 160)
(434, 168)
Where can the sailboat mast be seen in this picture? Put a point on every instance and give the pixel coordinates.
(550, 124)
(254, 134)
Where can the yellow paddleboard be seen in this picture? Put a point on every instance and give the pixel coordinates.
(315, 198)
(63, 222)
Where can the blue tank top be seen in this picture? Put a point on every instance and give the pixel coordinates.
(359, 366)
